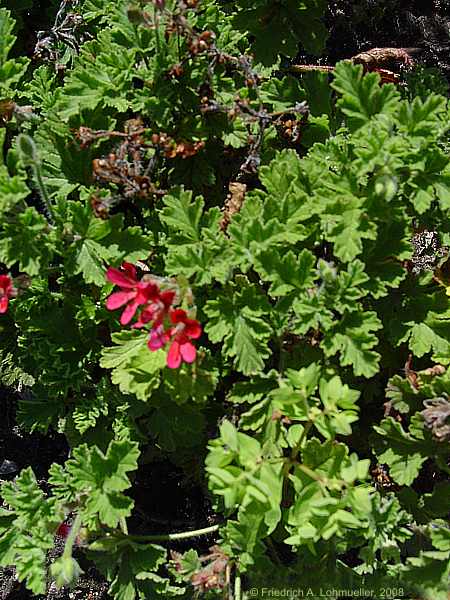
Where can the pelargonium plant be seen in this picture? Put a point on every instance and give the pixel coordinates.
(230, 281)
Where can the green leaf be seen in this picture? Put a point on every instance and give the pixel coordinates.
(7, 38)
(11, 374)
(362, 97)
(176, 427)
(422, 339)
(132, 568)
(182, 214)
(422, 319)
(102, 243)
(102, 477)
(403, 453)
(288, 23)
(128, 345)
(26, 241)
(90, 408)
(12, 70)
(135, 368)
(353, 337)
(347, 225)
(194, 382)
(30, 535)
(238, 319)
(440, 536)
(41, 89)
(103, 72)
(12, 190)
(282, 94)
(419, 117)
(239, 473)
(288, 272)
(91, 259)
(318, 92)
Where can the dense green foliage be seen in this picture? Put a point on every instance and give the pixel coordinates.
(315, 280)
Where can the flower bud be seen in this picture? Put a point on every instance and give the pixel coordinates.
(27, 150)
(66, 571)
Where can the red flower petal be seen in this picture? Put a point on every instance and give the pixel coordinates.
(118, 299)
(193, 329)
(178, 315)
(3, 304)
(146, 316)
(158, 338)
(174, 356)
(129, 269)
(6, 284)
(147, 292)
(167, 298)
(188, 352)
(124, 280)
(129, 313)
(63, 530)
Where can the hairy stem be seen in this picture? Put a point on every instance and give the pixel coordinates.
(237, 587)
(182, 535)
(72, 536)
(43, 194)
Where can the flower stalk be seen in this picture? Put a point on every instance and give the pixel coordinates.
(170, 537)
(30, 157)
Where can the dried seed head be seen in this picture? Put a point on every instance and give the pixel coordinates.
(437, 417)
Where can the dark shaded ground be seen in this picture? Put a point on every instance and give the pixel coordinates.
(19, 450)
(354, 26)
(184, 505)
(358, 25)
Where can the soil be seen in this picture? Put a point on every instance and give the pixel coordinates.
(354, 26)
(357, 26)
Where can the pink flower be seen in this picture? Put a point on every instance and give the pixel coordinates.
(157, 310)
(185, 330)
(7, 291)
(158, 337)
(133, 292)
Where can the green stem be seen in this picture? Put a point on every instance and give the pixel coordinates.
(298, 446)
(237, 587)
(123, 525)
(43, 193)
(72, 536)
(282, 358)
(168, 537)
(273, 551)
(310, 473)
(156, 20)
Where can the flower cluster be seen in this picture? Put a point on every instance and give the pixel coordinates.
(169, 325)
(7, 291)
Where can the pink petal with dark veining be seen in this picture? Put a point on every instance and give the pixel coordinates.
(118, 299)
(121, 279)
(129, 313)
(174, 356)
(188, 352)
